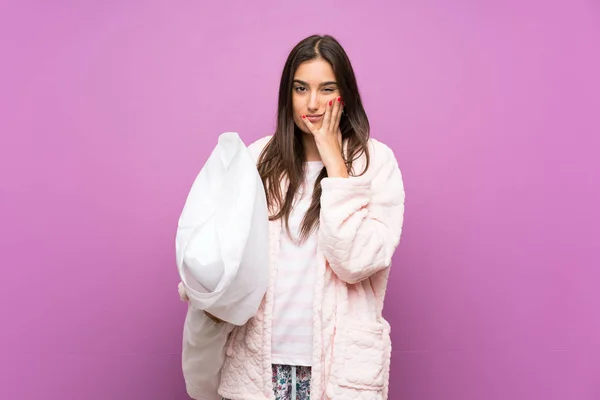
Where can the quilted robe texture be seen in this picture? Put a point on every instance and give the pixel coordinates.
(360, 226)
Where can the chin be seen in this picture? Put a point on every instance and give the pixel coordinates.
(303, 129)
(300, 125)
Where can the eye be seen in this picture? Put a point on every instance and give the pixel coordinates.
(300, 89)
(328, 90)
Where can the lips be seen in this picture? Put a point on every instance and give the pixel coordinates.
(314, 118)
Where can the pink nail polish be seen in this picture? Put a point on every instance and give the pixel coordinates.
(331, 102)
(304, 117)
(339, 99)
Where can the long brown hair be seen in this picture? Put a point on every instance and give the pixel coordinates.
(283, 157)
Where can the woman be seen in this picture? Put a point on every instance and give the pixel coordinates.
(336, 200)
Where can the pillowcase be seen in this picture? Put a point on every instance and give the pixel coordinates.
(222, 235)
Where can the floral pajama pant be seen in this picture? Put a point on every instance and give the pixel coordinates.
(291, 383)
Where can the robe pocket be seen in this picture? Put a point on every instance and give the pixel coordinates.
(361, 354)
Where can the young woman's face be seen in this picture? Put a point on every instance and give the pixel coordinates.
(314, 86)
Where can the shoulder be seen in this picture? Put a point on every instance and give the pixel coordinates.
(384, 173)
(256, 147)
(381, 157)
(380, 152)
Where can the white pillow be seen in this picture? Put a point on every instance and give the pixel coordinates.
(222, 235)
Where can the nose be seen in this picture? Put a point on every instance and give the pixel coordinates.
(313, 102)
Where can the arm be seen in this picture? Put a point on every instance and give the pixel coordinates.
(361, 218)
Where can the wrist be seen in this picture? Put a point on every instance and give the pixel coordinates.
(336, 167)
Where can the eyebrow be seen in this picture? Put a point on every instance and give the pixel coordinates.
(322, 84)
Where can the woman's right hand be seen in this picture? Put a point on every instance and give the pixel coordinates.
(183, 297)
(215, 319)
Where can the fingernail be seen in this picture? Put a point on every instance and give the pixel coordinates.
(343, 103)
(331, 102)
(304, 117)
(339, 99)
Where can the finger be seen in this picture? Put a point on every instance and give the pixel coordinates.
(309, 124)
(337, 107)
(338, 115)
(327, 117)
(181, 290)
(332, 129)
(215, 319)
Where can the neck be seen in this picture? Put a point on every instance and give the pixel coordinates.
(310, 147)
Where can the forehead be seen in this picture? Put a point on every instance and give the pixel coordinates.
(315, 72)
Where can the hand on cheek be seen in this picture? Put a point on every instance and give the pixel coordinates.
(329, 138)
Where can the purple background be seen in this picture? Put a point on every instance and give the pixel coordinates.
(108, 110)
